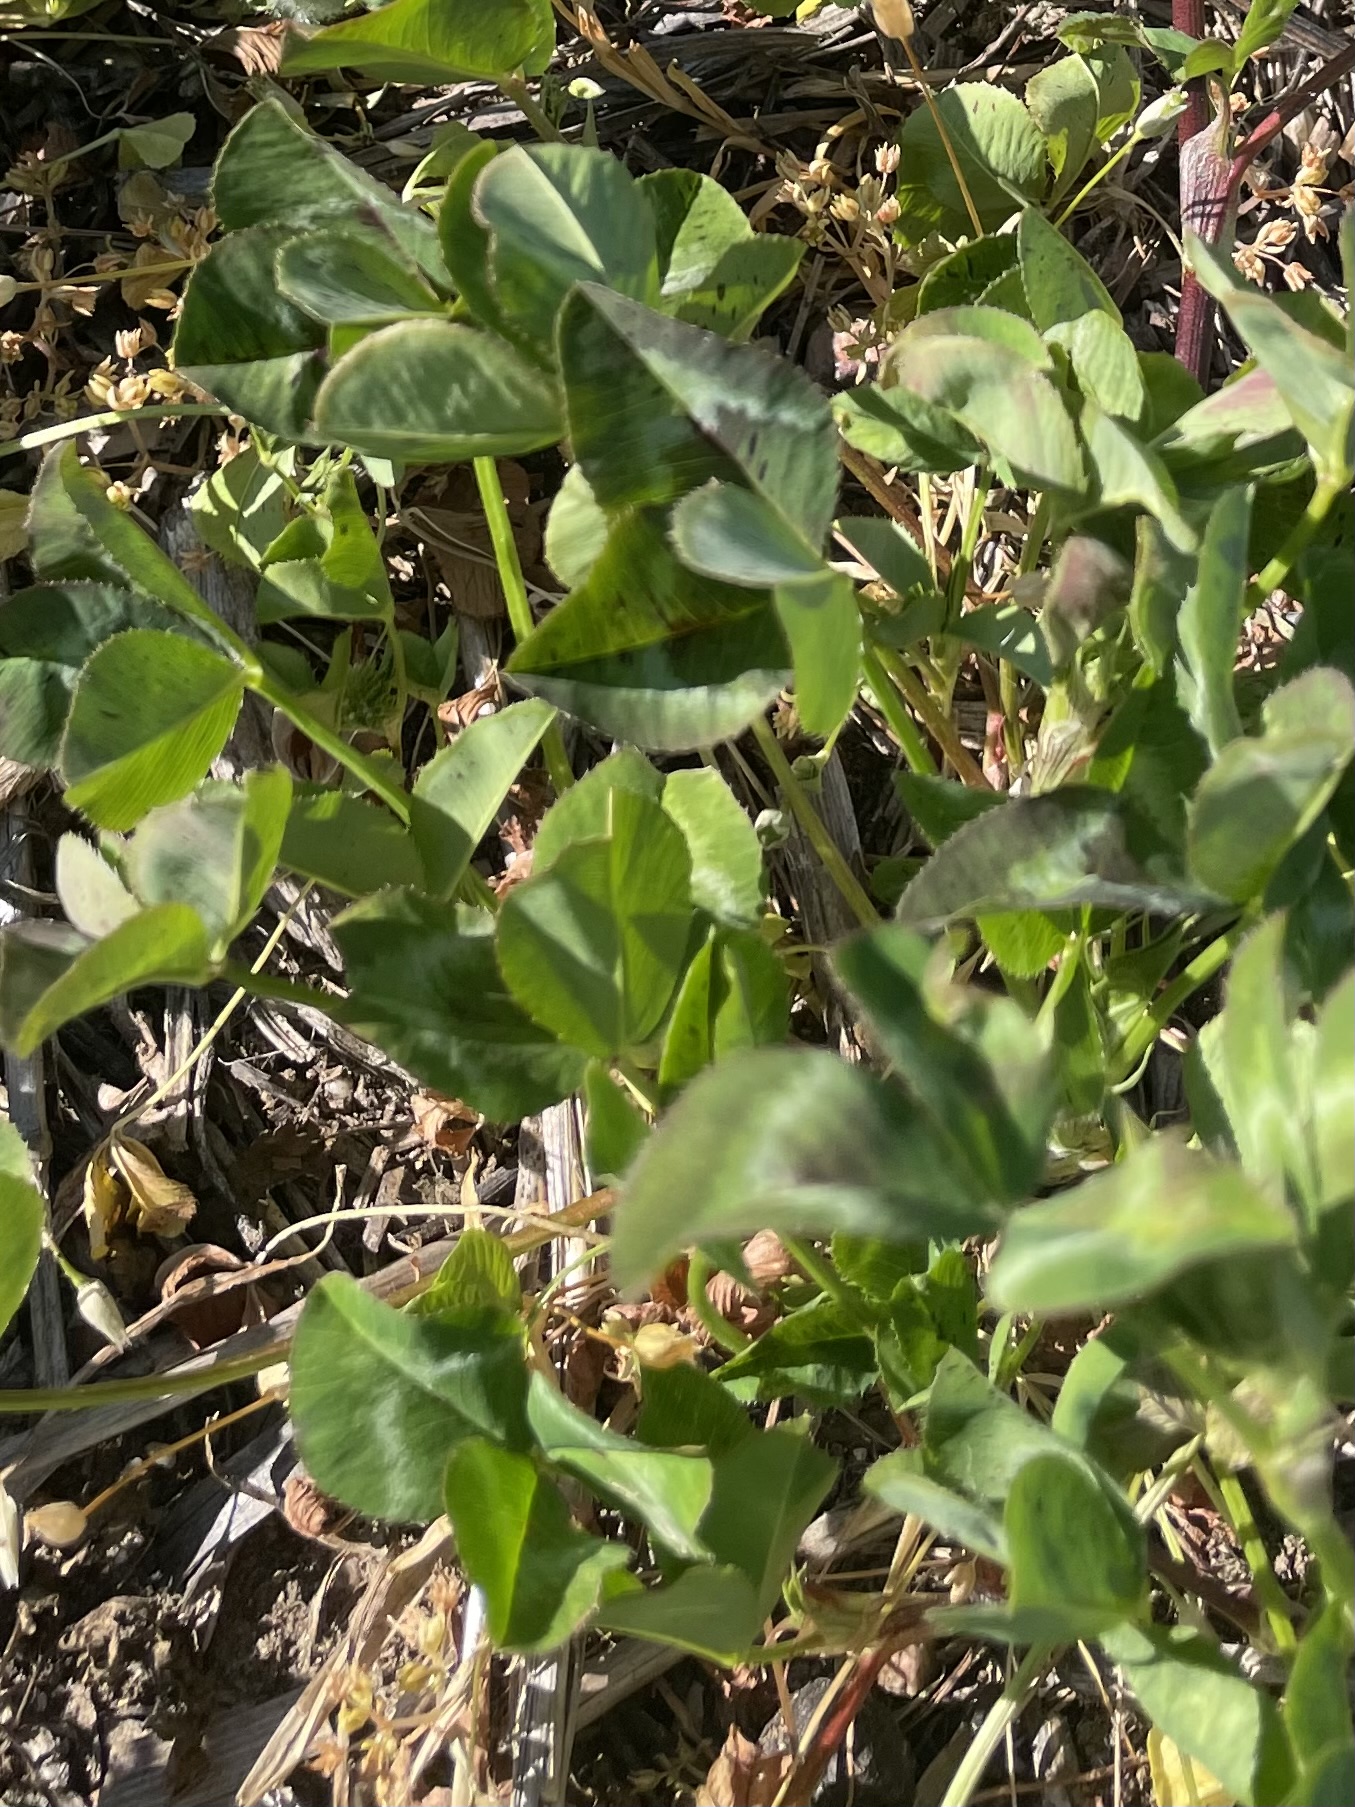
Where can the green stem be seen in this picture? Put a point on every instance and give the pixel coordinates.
(995, 1726)
(1154, 1020)
(1331, 1548)
(956, 167)
(853, 892)
(1008, 677)
(82, 150)
(1098, 176)
(1272, 1461)
(330, 741)
(1296, 544)
(828, 1280)
(142, 1386)
(400, 673)
(1237, 1509)
(1064, 974)
(505, 547)
(472, 888)
(537, 118)
(644, 1088)
(958, 581)
(901, 725)
(515, 595)
(1150, 1503)
(68, 1267)
(111, 417)
(1015, 1358)
(939, 725)
(1009, 695)
(282, 991)
(1037, 531)
(721, 1332)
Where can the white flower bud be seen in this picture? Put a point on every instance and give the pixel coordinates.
(1159, 118)
(99, 1309)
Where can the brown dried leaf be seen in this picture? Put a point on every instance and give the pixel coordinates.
(739, 1304)
(767, 1259)
(741, 1776)
(302, 758)
(276, 1154)
(908, 1671)
(451, 517)
(257, 48)
(309, 1512)
(204, 1321)
(585, 1369)
(670, 1289)
(444, 1123)
(459, 712)
(528, 800)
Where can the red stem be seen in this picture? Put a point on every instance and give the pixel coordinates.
(1334, 70)
(1195, 324)
(1188, 16)
(1212, 176)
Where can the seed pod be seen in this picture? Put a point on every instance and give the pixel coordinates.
(60, 1524)
(893, 19)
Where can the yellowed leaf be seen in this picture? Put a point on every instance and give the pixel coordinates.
(104, 1200)
(1179, 1781)
(159, 1206)
(664, 1346)
(127, 1189)
(146, 282)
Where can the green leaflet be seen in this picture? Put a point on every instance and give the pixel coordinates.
(21, 1219)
